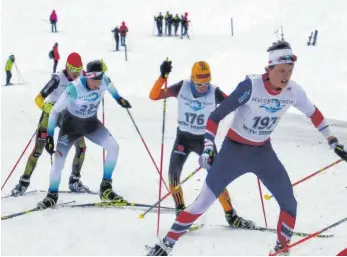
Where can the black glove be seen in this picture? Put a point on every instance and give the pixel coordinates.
(340, 151)
(338, 148)
(124, 103)
(165, 68)
(50, 145)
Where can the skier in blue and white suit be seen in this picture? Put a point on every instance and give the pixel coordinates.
(76, 111)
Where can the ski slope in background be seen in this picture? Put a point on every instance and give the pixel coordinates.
(85, 26)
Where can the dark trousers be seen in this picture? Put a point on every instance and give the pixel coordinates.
(185, 31)
(8, 77)
(169, 28)
(122, 40)
(176, 29)
(55, 66)
(185, 144)
(53, 26)
(116, 39)
(235, 160)
(160, 28)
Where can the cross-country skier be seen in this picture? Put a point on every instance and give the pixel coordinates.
(45, 101)
(80, 102)
(259, 101)
(197, 98)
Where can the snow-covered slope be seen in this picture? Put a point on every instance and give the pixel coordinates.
(84, 26)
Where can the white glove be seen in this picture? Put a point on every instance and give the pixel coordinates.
(206, 159)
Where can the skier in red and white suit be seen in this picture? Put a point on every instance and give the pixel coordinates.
(259, 103)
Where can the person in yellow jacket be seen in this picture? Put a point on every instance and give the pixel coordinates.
(8, 69)
(45, 101)
(104, 66)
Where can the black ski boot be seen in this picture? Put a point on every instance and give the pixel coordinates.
(50, 200)
(75, 185)
(179, 208)
(236, 221)
(278, 247)
(106, 192)
(162, 248)
(22, 186)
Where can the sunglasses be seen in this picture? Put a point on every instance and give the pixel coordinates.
(288, 57)
(207, 84)
(74, 69)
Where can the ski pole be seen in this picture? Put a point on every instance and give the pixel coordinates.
(162, 151)
(309, 237)
(268, 197)
(20, 157)
(142, 215)
(262, 201)
(103, 123)
(144, 143)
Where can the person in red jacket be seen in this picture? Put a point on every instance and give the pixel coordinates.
(53, 18)
(185, 24)
(123, 30)
(56, 57)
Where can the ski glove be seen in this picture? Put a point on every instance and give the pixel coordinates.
(48, 107)
(165, 68)
(206, 159)
(124, 103)
(50, 145)
(338, 148)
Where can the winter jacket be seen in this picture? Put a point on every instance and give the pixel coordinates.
(53, 17)
(56, 53)
(9, 65)
(123, 29)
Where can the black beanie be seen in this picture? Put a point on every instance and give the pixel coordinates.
(94, 66)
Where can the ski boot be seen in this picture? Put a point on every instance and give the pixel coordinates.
(49, 201)
(162, 248)
(75, 185)
(279, 247)
(179, 208)
(106, 192)
(22, 186)
(236, 221)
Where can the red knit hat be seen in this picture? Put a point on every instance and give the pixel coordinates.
(74, 61)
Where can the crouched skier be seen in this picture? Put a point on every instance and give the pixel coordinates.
(79, 105)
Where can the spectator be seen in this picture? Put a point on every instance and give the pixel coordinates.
(56, 57)
(116, 37)
(159, 21)
(123, 30)
(8, 69)
(53, 19)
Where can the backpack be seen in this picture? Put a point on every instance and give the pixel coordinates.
(51, 54)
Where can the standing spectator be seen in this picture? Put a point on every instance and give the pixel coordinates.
(169, 23)
(185, 25)
(123, 30)
(182, 24)
(166, 21)
(56, 57)
(159, 21)
(8, 69)
(176, 22)
(53, 19)
(116, 37)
